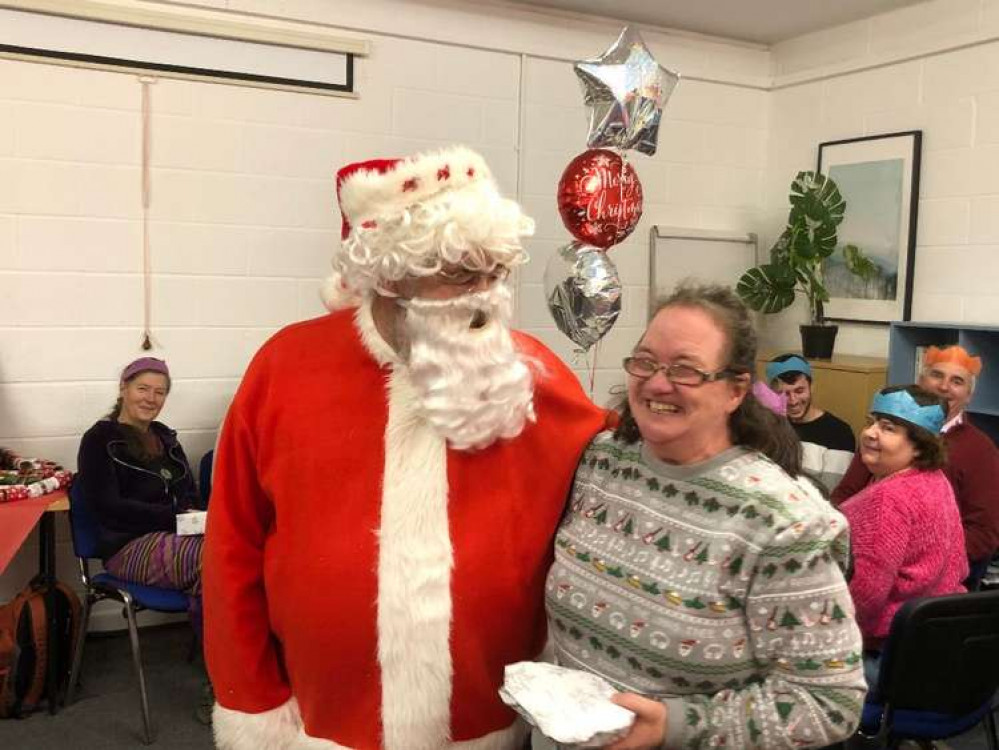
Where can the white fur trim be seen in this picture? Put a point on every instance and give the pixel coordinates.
(367, 195)
(414, 579)
(277, 729)
(281, 729)
(370, 336)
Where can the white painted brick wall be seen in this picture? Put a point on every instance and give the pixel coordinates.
(243, 216)
(921, 26)
(865, 83)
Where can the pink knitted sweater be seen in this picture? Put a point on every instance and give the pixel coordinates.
(907, 542)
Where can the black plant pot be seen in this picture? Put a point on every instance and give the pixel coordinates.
(817, 341)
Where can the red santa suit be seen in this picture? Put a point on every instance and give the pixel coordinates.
(364, 583)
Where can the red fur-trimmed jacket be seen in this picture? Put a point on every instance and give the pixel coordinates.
(365, 584)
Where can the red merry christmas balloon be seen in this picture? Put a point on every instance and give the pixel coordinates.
(600, 198)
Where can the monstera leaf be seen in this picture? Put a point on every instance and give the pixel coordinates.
(768, 288)
(818, 196)
(817, 208)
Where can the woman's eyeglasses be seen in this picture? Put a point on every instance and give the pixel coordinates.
(678, 374)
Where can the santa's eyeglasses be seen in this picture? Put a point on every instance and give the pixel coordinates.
(461, 276)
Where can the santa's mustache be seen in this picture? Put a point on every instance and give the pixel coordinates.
(481, 307)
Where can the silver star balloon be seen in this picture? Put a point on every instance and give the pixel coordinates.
(626, 90)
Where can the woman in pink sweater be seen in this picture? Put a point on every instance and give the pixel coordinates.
(905, 526)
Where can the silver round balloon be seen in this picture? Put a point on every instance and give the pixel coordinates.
(626, 90)
(583, 291)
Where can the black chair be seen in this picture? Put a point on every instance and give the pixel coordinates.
(205, 477)
(990, 581)
(939, 671)
(133, 597)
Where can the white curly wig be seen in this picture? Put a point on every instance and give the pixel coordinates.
(413, 216)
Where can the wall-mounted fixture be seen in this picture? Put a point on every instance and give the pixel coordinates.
(197, 43)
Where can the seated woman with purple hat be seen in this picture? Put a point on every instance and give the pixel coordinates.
(905, 527)
(135, 478)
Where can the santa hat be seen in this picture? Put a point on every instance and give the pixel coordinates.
(381, 188)
(409, 217)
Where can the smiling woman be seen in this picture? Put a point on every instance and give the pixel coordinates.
(708, 340)
(692, 555)
(142, 398)
(906, 528)
(682, 410)
(135, 478)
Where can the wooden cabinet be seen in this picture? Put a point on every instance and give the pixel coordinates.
(843, 385)
(907, 342)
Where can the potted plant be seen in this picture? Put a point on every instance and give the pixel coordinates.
(795, 266)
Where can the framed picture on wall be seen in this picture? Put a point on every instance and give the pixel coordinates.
(878, 176)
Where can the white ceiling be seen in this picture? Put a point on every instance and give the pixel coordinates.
(761, 21)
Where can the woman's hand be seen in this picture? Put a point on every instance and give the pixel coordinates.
(649, 729)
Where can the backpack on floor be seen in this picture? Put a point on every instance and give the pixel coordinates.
(24, 637)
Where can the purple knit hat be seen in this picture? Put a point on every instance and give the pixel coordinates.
(144, 364)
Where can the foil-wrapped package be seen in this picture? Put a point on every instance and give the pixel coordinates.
(570, 707)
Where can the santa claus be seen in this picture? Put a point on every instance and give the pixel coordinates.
(388, 482)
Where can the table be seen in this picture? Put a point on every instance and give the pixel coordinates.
(47, 573)
(17, 519)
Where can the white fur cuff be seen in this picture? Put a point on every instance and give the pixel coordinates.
(277, 729)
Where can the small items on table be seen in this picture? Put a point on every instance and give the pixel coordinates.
(21, 478)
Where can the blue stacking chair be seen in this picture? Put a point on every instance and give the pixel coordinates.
(133, 596)
(939, 671)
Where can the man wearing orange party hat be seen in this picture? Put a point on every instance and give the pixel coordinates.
(972, 459)
(388, 481)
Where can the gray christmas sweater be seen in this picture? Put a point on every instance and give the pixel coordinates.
(716, 588)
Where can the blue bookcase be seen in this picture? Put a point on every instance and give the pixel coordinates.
(907, 340)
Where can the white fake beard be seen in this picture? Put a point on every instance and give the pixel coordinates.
(474, 387)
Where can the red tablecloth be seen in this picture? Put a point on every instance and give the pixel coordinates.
(17, 519)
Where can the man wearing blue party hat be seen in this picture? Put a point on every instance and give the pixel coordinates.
(827, 441)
